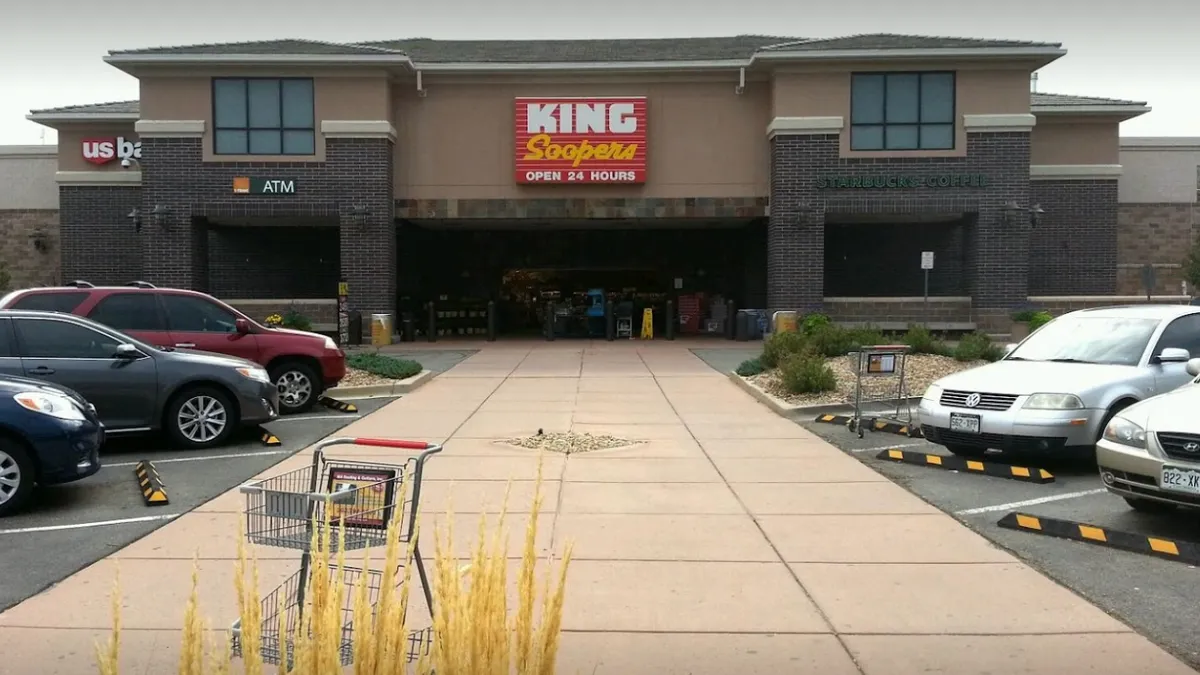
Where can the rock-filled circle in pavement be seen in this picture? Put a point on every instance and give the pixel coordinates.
(570, 443)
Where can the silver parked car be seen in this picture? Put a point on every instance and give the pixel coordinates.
(1055, 391)
(1150, 452)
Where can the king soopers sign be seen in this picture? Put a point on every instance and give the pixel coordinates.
(581, 140)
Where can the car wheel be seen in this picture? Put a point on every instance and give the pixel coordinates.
(298, 386)
(16, 476)
(1148, 505)
(967, 451)
(200, 417)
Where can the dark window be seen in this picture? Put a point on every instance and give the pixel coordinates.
(52, 339)
(1183, 333)
(6, 346)
(129, 311)
(259, 116)
(902, 111)
(186, 313)
(50, 302)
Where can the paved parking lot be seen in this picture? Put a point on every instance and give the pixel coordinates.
(1158, 598)
(71, 526)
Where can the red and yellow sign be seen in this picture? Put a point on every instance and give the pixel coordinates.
(581, 140)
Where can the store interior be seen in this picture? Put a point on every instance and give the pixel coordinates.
(570, 270)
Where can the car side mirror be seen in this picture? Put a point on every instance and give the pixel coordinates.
(1193, 367)
(1174, 355)
(242, 326)
(127, 352)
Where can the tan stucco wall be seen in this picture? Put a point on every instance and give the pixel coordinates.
(1074, 141)
(70, 145)
(338, 95)
(1160, 174)
(703, 139)
(27, 177)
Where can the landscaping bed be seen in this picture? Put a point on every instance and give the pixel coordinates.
(817, 363)
(366, 368)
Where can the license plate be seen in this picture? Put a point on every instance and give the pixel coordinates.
(1180, 480)
(965, 423)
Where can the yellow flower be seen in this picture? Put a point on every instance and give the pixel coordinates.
(274, 320)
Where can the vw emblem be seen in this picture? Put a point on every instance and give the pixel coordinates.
(972, 400)
(1192, 447)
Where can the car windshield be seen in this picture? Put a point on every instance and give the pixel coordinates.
(1089, 339)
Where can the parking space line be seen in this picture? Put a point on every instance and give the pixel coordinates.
(1029, 502)
(894, 446)
(97, 523)
(203, 458)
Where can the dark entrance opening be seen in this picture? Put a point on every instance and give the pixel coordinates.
(880, 256)
(273, 258)
(526, 266)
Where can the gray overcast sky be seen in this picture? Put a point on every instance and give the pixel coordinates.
(1145, 50)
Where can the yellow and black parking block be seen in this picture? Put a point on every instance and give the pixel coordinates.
(952, 463)
(890, 427)
(340, 406)
(269, 439)
(1171, 549)
(840, 420)
(150, 483)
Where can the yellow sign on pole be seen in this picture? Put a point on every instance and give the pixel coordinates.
(647, 324)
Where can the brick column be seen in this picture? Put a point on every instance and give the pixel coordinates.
(366, 216)
(1073, 248)
(98, 240)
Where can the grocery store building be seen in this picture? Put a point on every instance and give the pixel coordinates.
(781, 173)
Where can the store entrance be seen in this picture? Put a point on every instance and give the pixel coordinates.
(571, 270)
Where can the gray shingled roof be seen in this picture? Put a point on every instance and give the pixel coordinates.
(1036, 99)
(111, 108)
(426, 50)
(261, 48)
(1047, 99)
(898, 41)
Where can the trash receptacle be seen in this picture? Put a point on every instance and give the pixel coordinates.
(785, 322)
(381, 330)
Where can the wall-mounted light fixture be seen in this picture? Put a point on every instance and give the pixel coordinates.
(1033, 214)
(41, 240)
(159, 214)
(359, 213)
(135, 217)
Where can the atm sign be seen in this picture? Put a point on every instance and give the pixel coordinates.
(581, 140)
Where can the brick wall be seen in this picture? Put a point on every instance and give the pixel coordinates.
(357, 173)
(940, 310)
(997, 244)
(99, 242)
(1155, 234)
(29, 247)
(318, 311)
(1073, 248)
(1062, 305)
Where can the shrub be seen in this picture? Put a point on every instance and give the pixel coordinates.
(751, 367)
(813, 322)
(977, 347)
(295, 320)
(807, 373)
(1039, 319)
(384, 366)
(832, 340)
(921, 341)
(779, 346)
(5, 278)
(865, 337)
(1191, 266)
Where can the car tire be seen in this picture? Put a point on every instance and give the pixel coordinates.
(211, 412)
(966, 451)
(294, 378)
(1148, 505)
(16, 472)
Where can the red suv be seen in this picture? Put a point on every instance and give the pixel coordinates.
(301, 364)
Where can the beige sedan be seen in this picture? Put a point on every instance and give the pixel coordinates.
(1150, 452)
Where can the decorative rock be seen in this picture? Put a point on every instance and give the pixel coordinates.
(569, 443)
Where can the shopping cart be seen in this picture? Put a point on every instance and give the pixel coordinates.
(363, 497)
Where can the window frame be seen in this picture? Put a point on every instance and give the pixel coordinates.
(884, 124)
(159, 315)
(247, 129)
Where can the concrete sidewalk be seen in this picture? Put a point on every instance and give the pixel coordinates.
(731, 541)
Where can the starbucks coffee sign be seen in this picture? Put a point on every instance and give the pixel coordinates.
(903, 181)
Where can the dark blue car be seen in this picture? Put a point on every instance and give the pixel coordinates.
(48, 435)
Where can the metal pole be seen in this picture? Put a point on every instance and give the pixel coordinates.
(491, 321)
(550, 321)
(669, 320)
(730, 320)
(432, 332)
(926, 314)
(610, 322)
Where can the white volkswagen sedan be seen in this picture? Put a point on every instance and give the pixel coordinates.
(1150, 452)
(1055, 391)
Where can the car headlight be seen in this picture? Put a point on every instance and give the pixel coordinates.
(932, 393)
(54, 405)
(1054, 402)
(257, 374)
(1121, 430)
(329, 343)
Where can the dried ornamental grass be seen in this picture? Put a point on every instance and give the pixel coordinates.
(474, 633)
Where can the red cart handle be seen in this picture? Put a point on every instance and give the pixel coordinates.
(391, 443)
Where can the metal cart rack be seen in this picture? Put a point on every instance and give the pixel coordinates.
(881, 361)
(283, 510)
